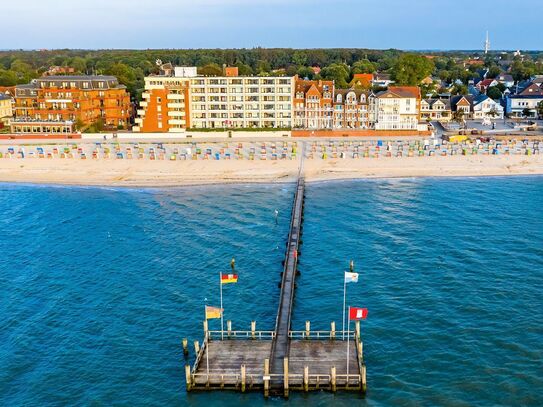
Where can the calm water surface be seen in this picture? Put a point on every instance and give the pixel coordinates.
(98, 286)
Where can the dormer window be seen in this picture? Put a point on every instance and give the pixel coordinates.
(339, 99)
(362, 98)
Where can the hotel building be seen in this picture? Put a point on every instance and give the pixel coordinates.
(397, 108)
(313, 104)
(178, 99)
(54, 104)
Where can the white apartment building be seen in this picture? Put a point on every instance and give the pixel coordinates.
(397, 109)
(179, 99)
(241, 102)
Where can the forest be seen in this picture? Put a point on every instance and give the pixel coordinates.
(339, 64)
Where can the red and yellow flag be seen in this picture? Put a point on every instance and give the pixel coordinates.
(229, 278)
(213, 312)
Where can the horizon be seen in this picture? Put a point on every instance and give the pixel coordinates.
(235, 24)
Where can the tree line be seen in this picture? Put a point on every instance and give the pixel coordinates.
(339, 64)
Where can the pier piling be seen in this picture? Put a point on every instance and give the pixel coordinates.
(185, 346)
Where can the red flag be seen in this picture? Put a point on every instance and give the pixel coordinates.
(357, 313)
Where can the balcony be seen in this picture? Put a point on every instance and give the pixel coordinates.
(176, 105)
(175, 113)
(177, 121)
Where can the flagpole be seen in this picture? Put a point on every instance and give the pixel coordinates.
(222, 323)
(206, 339)
(348, 333)
(343, 309)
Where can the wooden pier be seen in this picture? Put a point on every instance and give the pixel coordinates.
(281, 360)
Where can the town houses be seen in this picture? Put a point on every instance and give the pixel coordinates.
(177, 99)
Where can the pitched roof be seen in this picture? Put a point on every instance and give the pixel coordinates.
(532, 90)
(455, 100)
(319, 86)
(432, 101)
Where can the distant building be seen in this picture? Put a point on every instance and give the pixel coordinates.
(397, 108)
(506, 79)
(382, 80)
(483, 85)
(353, 109)
(178, 99)
(57, 102)
(362, 80)
(59, 70)
(313, 104)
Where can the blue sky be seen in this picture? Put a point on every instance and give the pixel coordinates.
(404, 24)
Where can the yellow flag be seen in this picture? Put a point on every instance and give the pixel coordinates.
(213, 312)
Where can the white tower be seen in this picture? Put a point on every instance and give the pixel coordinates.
(487, 44)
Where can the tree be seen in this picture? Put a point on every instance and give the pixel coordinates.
(299, 58)
(338, 73)
(526, 112)
(79, 64)
(493, 72)
(244, 69)
(306, 72)
(7, 78)
(494, 93)
(493, 112)
(410, 69)
(363, 66)
(540, 109)
(125, 75)
(458, 116)
(210, 70)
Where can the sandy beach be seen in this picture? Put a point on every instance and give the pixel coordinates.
(156, 173)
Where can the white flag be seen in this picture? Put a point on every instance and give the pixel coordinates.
(351, 277)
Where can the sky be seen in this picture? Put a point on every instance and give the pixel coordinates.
(380, 24)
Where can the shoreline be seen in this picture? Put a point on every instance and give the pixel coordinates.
(164, 174)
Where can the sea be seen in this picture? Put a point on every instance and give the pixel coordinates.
(98, 286)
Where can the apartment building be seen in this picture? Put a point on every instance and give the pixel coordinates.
(313, 104)
(397, 108)
(176, 100)
(55, 103)
(353, 109)
(6, 111)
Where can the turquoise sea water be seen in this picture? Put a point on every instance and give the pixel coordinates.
(98, 286)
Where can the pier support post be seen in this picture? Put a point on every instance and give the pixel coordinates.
(205, 328)
(229, 328)
(357, 328)
(363, 384)
(306, 378)
(285, 377)
(333, 378)
(188, 377)
(196, 347)
(243, 378)
(266, 378)
(253, 329)
(307, 329)
(185, 346)
(332, 330)
(360, 347)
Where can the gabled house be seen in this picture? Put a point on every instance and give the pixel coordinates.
(526, 102)
(362, 80)
(463, 104)
(483, 85)
(313, 104)
(486, 108)
(353, 109)
(506, 79)
(436, 109)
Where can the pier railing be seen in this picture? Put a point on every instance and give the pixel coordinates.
(260, 335)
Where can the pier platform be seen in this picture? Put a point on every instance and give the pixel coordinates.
(316, 361)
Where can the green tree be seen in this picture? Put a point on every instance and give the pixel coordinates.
(363, 66)
(299, 58)
(210, 70)
(540, 109)
(79, 64)
(338, 73)
(7, 78)
(494, 93)
(410, 69)
(244, 69)
(125, 75)
(306, 72)
(526, 112)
